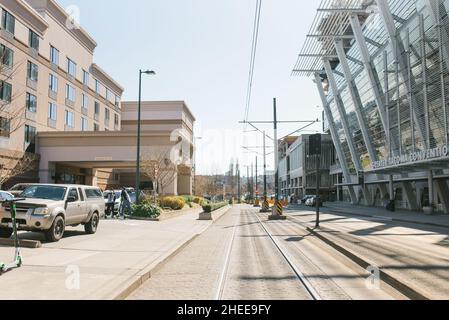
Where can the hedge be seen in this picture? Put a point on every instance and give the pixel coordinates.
(208, 208)
(174, 203)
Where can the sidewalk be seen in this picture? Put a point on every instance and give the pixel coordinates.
(380, 213)
(119, 256)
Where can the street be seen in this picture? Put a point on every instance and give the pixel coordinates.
(243, 256)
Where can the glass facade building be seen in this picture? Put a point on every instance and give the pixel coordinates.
(382, 72)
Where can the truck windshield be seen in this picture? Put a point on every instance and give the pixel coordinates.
(44, 192)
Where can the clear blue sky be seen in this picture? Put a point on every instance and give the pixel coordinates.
(201, 52)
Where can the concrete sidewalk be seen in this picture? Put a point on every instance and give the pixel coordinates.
(380, 213)
(109, 263)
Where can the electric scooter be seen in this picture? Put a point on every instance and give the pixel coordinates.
(17, 262)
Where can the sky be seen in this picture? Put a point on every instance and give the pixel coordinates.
(200, 50)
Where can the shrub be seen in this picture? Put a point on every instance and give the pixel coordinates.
(145, 210)
(199, 200)
(174, 203)
(211, 207)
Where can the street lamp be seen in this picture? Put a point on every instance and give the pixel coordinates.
(195, 139)
(139, 115)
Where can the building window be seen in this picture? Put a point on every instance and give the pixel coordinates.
(34, 40)
(70, 93)
(6, 56)
(96, 127)
(33, 71)
(54, 56)
(84, 124)
(97, 86)
(5, 91)
(107, 115)
(117, 101)
(97, 108)
(85, 78)
(69, 119)
(52, 113)
(8, 22)
(30, 139)
(108, 94)
(31, 102)
(85, 103)
(53, 83)
(5, 127)
(71, 68)
(116, 120)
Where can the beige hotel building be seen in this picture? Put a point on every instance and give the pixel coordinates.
(49, 84)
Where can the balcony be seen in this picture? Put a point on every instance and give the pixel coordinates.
(52, 94)
(51, 123)
(69, 103)
(31, 84)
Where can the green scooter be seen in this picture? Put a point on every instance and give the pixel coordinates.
(17, 262)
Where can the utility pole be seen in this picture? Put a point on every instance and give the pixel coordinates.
(277, 209)
(239, 191)
(252, 182)
(265, 205)
(315, 151)
(257, 203)
(248, 183)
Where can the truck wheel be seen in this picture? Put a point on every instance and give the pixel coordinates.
(92, 225)
(5, 233)
(56, 232)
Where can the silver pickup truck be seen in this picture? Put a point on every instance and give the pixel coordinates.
(50, 208)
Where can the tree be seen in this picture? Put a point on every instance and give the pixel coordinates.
(12, 117)
(160, 168)
(15, 164)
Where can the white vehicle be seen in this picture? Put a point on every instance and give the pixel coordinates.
(4, 195)
(50, 208)
(116, 194)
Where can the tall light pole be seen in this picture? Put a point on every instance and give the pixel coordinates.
(139, 119)
(195, 139)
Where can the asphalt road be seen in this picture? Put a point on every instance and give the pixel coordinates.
(236, 259)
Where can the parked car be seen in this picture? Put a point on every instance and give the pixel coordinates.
(4, 195)
(116, 194)
(18, 189)
(311, 202)
(51, 208)
(304, 200)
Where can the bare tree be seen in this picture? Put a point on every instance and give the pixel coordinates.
(159, 167)
(12, 118)
(15, 164)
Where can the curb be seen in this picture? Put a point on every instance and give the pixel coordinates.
(145, 274)
(403, 288)
(30, 244)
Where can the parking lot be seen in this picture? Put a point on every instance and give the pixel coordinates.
(98, 266)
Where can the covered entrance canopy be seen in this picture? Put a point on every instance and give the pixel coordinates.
(109, 158)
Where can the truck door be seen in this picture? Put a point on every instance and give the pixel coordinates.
(84, 213)
(73, 209)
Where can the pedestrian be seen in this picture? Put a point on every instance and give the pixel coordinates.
(110, 204)
(125, 204)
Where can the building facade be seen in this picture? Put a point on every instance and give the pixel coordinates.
(298, 168)
(382, 71)
(48, 80)
(107, 159)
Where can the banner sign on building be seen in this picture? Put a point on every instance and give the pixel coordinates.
(412, 157)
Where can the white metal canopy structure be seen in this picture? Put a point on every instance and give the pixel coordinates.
(382, 72)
